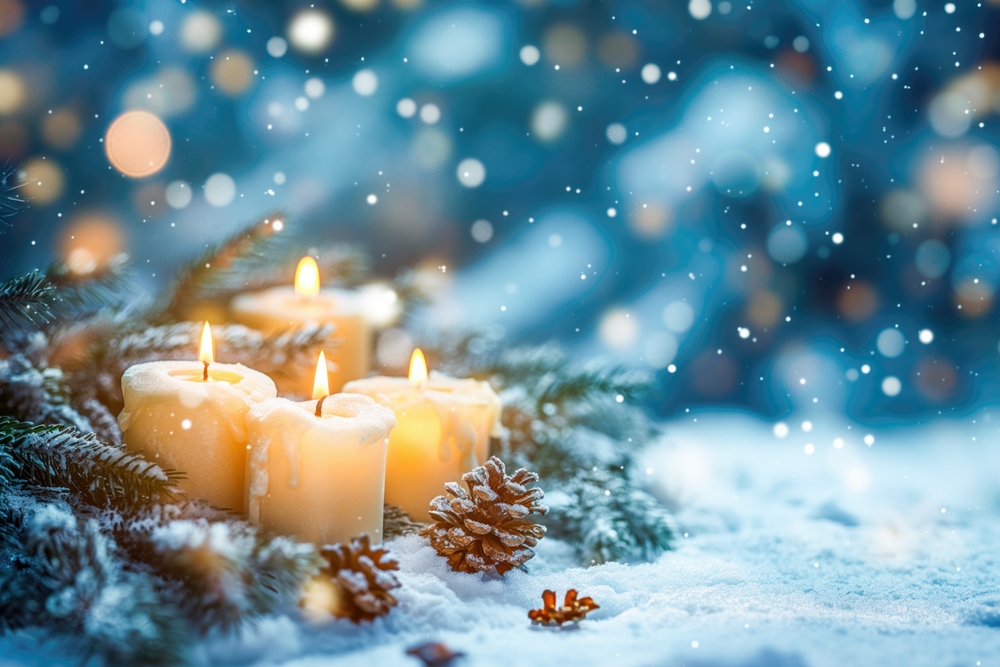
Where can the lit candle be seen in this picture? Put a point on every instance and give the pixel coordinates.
(443, 429)
(191, 416)
(317, 469)
(286, 307)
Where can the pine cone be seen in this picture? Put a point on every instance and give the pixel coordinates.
(572, 611)
(357, 581)
(488, 526)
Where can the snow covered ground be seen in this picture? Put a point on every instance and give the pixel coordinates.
(850, 555)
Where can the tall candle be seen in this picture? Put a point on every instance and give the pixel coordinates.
(191, 416)
(285, 307)
(443, 429)
(317, 469)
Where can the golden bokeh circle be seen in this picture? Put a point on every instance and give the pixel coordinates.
(90, 240)
(61, 129)
(137, 144)
(232, 72)
(44, 183)
(12, 92)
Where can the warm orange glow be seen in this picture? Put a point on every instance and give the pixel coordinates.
(418, 367)
(206, 353)
(307, 277)
(321, 385)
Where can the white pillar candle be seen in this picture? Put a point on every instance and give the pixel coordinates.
(191, 416)
(443, 429)
(317, 468)
(281, 308)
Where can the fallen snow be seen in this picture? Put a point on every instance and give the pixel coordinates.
(854, 555)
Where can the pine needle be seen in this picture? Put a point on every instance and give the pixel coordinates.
(98, 474)
(27, 299)
(78, 293)
(251, 243)
(11, 202)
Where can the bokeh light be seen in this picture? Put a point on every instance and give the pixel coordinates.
(471, 173)
(61, 129)
(200, 32)
(137, 144)
(12, 92)
(11, 16)
(44, 181)
(548, 121)
(220, 190)
(310, 31)
(232, 71)
(89, 240)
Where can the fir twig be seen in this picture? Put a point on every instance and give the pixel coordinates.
(27, 299)
(11, 202)
(98, 474)
(65, 576)
(251, 243)
(102, 286)
(219, 571)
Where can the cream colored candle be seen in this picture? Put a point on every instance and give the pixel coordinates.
(443, 429)
(191, 416)
(317, 469)
(280, 308)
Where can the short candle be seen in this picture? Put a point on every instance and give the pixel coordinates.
(317, 468)
(191, 416)
(443, 430)
(281, 308)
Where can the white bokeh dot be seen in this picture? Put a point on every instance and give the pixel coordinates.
(891, 386)
(699, 9)
(277, 47)
(314, 88)
(926, 336)
(220, 189)
(781, 429)
(482, 231)
(650, 73)
(365, 83)
(471, 172)
(530, 55)
(616, 133)
(406, 107)
(823, 149)
(178, 194)
(430, 113)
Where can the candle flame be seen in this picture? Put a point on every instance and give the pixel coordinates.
(321, 385)
(307, 277)
(418, 367)
(206, 352)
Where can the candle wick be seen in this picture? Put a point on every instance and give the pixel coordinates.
(204, 376)
(319, 406)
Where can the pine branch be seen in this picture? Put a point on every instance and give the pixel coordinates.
(252, 243)
(339, 264)
(35, 395)
(217, 570)
(79, 293)
(11, 202)
(26, 299)
(65, 576)
(98, 474)
(607, 519)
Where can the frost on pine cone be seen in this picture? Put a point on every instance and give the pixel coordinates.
(356, 583)
(488, 526)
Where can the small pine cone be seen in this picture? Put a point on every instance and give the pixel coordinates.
(359, 578)
(488, 526)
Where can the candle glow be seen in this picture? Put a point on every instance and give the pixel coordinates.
(307, 277)
(206, 352)
(321, 386)
(418, 367)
